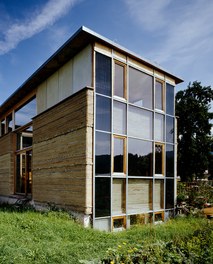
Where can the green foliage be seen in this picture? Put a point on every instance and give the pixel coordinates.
(194, 130)
(196, 248)
(53, 237)
(195, 194)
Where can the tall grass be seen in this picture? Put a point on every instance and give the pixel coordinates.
(53, 237)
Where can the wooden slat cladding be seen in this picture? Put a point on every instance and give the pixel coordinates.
(7, 144)
(62, 153)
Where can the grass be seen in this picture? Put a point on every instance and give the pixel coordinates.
(52, 237)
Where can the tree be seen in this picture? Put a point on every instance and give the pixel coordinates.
(194, 130)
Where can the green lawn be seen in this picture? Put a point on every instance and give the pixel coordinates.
(33, 237)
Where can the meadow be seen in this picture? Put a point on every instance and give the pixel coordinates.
(54, 237)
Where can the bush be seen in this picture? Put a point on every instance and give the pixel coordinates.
(197, 248)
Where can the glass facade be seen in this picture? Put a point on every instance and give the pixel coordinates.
(134, 145)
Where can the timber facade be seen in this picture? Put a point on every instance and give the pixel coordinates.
(93, 131)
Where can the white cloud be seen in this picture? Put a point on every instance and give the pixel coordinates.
(47, 16)
(185, 29)
(150, 14)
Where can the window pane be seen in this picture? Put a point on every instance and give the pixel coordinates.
(118, 196)
(119, 144)
(140, 88)
(102, 153)
(159, 127)
(140, 158)
(25, 114)
(119, 115)
(159, 195)
(140, 123)
(159, 95)
(170, 99)
(169, 161)
(119, 83)
(159, 160)
(169, 129)
(169, 194)
(103, 74)
(103, 113)
(139, 195)
(102, 197)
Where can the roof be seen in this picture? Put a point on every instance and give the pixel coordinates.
(69, 49)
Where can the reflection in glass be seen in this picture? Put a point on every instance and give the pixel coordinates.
(159, 127)
(119, 145)
(158, 194)
(140, 123)
(102, 197)
(119, 118)
(118, 196)
(140, 158)
(25, 114)
(170, 99)
(169, 129)
(103, 74)
(159, 162)
(119, 82)
(102, 153)
(159, 95)
(103, 113)
(169, 194)
(139, 195)
(140, 219)
(169, 161)
(140, 88)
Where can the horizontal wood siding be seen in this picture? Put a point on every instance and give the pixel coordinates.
(62, 153)
(7, 144)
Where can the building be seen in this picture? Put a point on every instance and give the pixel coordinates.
(93, 130)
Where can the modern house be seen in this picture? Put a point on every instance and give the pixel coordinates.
(93, 130)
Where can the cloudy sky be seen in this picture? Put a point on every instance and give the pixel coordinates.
(176, 34)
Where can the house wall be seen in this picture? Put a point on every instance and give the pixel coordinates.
(7, 144)
(62, 153)
(73, 76)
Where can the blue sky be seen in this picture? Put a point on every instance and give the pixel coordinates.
(176, 34)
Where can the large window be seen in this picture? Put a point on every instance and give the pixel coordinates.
(140, 157)
(140, 88)
(103, 74)
(140, 123)
(134, 144)
(102, 153)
